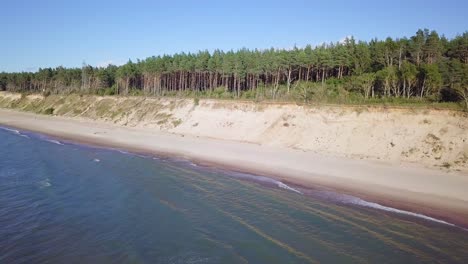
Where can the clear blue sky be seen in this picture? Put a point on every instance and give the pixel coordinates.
(50, 33)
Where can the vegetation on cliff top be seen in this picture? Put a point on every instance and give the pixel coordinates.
(425, 68)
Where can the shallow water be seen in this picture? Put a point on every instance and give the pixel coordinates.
(67, 203)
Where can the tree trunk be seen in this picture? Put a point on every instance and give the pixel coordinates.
(323, 76)
(399, 58)
(127, 84)
(404, 87)
(422, 88)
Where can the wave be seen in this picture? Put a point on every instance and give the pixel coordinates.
(364, 203)
(14, 131)
(353, 200)
(287, 187)
(239, 175)
(54, 141)
(264, 180)
(45, 183)
(132, 153)
(348, 199)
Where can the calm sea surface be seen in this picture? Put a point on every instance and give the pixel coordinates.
(67, 203)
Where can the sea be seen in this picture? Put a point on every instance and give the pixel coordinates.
(64, 202)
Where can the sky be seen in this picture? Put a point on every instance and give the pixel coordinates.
(52, 33)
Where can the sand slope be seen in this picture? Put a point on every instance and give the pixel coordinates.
(432, 138)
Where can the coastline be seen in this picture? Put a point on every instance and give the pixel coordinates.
(431, 192)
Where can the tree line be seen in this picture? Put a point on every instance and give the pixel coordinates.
(425, 65)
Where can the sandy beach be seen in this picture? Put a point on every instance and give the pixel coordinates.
(433, 192)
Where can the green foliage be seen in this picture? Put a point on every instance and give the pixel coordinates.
(49, 111)
(135, 92)
(363, 84)
(249, 94)
(176, 123)
(106, 91)
(420, 66)
(431, 80)
(459, 81)
(305, 91)
(222, 93)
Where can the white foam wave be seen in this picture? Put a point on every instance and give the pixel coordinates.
(358, 201)
(54, 141)
(96, 160)
(14, 131)
(11, 130)
(45, 183)
(349, 199)
(266, 180)
(285, 186)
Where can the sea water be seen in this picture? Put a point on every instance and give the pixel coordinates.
(62, 202)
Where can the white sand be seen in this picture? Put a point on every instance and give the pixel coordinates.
(432, 191)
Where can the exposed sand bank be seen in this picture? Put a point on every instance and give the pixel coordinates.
(432, 138)
(433, 192)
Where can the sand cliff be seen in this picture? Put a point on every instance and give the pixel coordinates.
(432, 138)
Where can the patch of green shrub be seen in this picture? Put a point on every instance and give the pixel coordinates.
(49, 111)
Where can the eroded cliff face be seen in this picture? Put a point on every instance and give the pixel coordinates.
(428, 137)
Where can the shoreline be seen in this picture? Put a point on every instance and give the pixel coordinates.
(337, 197)
(433, 193)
